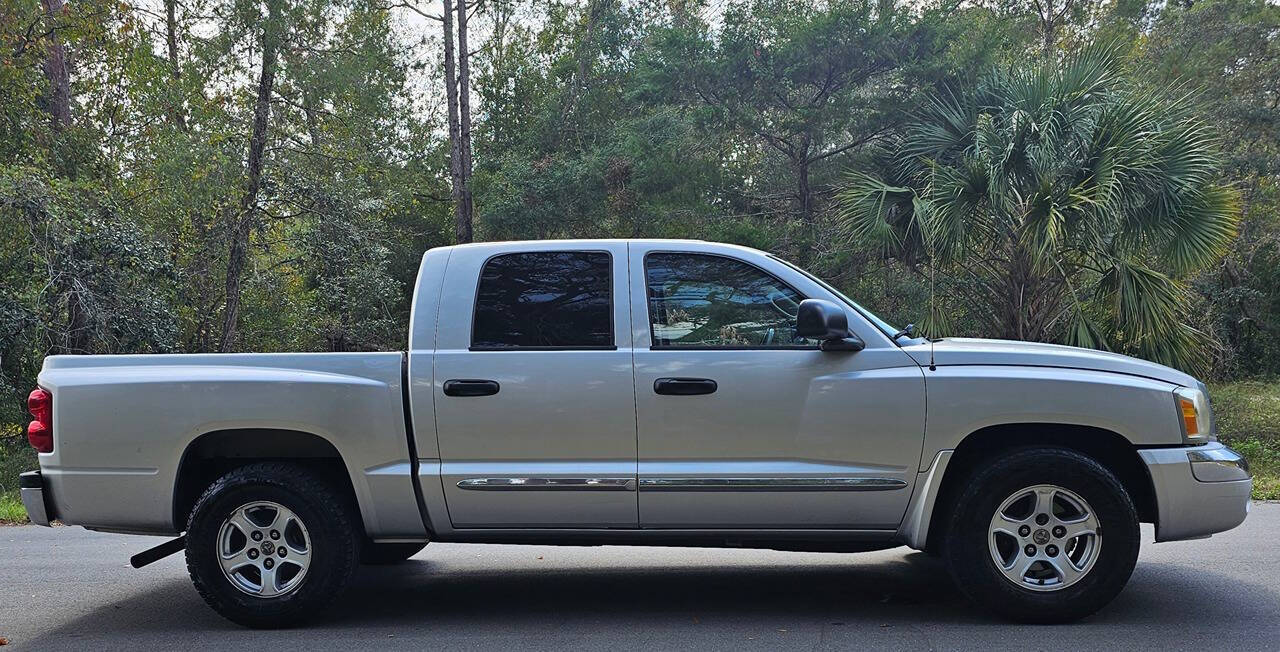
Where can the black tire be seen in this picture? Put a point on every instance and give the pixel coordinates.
(382, 554)
(331, 523)
(968, 553)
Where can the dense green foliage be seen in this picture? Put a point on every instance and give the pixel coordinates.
(1228, 54)
(750, 121)
(1248, 416)
(1050, 195)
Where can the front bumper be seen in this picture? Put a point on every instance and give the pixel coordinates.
(1200, 490)
(33, 498)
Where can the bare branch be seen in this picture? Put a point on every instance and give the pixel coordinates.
(412, 7)
(880, 133)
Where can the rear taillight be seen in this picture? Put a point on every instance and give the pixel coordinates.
(40, 431)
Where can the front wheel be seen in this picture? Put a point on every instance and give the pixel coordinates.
(1042, 535)
(271, 545)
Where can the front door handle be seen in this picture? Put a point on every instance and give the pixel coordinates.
(684, 386)
(470, 387)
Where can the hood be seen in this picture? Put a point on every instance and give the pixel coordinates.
(966, 351)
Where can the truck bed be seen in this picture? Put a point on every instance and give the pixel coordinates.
(125, 422)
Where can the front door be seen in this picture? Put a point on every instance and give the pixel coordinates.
(535, 413)
(743, 425)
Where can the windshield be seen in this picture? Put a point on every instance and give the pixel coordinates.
(880, 323)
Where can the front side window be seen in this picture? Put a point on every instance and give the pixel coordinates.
(699, 300)
(545, 299)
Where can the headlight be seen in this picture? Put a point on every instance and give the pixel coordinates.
(1193, 408)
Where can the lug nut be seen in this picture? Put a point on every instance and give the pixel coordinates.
(281, 551)
(1051, 550)
(1059, 531)
(1024, 531)
(275, 534)
(256, 536)
(268, 562)
(1030, 550)
(1041, 519)
(253, 553)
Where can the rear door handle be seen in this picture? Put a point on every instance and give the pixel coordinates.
(684, 386)
(470, 387)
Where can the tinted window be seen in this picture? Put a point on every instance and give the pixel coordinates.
(700, 300)
(545, 298)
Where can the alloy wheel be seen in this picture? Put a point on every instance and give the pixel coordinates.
(1045, 538)
(264, 549)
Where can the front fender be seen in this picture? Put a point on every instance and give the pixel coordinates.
(963, 399)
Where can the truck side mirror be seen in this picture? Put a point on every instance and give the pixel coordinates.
(828, 323)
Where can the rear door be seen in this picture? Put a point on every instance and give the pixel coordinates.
(743, 425)
(535, 412)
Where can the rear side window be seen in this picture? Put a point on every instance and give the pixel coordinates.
(545, 299)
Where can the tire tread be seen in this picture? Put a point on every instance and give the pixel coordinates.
(984, 585)
(310, 599)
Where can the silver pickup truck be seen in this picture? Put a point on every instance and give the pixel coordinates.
(635, 392)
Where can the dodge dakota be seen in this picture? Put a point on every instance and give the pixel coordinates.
(635, 392)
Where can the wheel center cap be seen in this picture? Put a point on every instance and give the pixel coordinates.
(268, 547)
(1040, 536)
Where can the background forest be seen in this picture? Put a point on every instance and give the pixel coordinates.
(264, 175)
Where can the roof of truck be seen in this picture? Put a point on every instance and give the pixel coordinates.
(578, 241)
(488, 248)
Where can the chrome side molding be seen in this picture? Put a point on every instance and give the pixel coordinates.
(548, 484)
(682, 484)
(771, 484)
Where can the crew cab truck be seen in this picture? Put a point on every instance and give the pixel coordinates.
(645, 392)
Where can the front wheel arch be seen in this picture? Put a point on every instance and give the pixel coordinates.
(1110, 449)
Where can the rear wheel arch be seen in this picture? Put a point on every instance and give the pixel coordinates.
(1109, 448)
(213, 454)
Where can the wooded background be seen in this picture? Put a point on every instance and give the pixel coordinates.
(264, 175)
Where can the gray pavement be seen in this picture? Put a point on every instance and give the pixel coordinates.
(67, 588)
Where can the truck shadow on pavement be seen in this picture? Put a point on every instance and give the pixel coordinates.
(479, 602)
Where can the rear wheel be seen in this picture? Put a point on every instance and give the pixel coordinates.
(270, 545)
(1042, 535)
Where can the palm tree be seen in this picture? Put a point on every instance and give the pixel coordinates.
(1066, 203)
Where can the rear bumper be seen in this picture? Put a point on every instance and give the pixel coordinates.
(1200, 490)
(33, 498)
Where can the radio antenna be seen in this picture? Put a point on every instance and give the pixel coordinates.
(933, 270)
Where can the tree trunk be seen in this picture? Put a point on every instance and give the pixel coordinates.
(200, 292)
(464, 210)
(241, 224)
(595, 11)
(313, 123)
(55, 69)
(806, 206)
(79, 330)
(1051, 21)
(176, 113)
(1026, 304)
(58, 103)
(457, 180)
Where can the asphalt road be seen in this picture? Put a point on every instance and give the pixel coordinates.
(69, 588)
